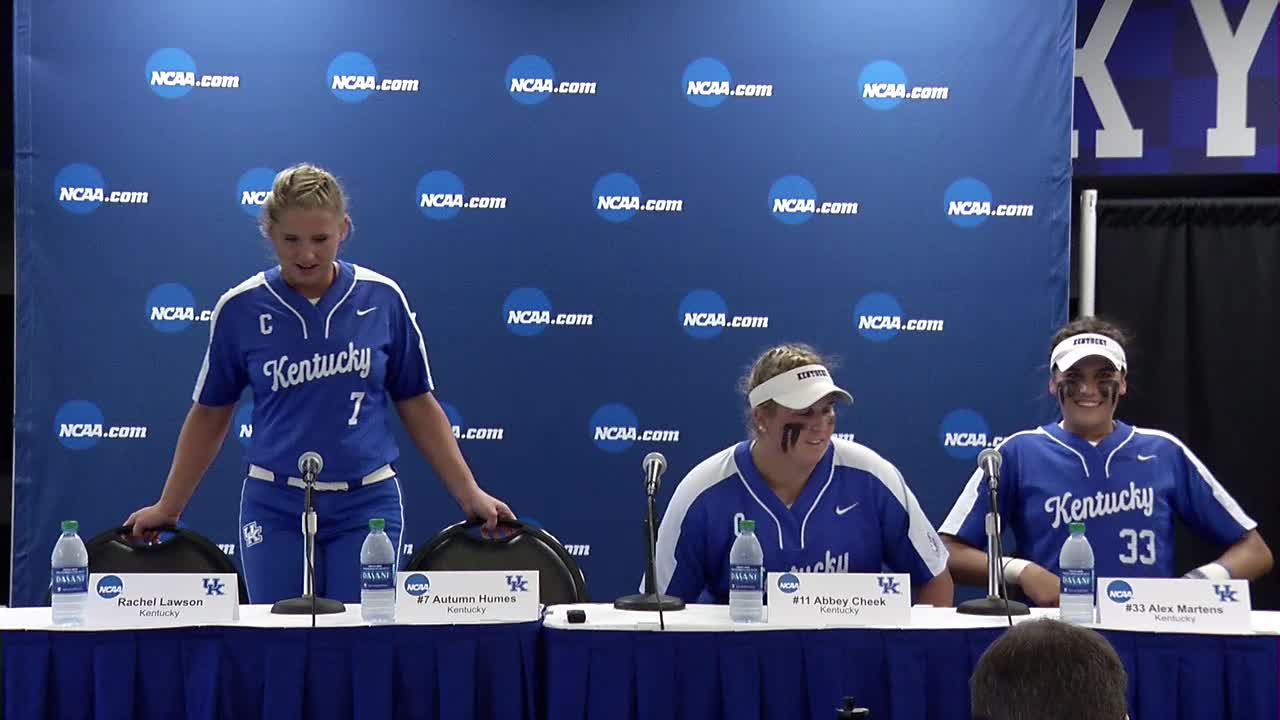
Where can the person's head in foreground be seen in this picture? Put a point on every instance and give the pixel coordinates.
(1048, 670)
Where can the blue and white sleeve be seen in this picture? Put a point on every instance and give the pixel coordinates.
(223, 374)
(681, 546)
(911, 545)
(408, 370)
(1202, 502)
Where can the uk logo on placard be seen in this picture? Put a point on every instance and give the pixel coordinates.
(889, 586)
(517, 583)
(214, 586)
(172, 73)
(1226, 593)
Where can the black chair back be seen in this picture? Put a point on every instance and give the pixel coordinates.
(179, 551)
(515, 546)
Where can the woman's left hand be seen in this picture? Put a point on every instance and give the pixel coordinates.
(483, 506)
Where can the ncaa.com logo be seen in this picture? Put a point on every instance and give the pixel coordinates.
(440, 196)
(614, 427)
(793, 200)
(788, 583)
(252, 189)
(352, 78)
(417, 585)
(79, 425)
(1119, 591)
(462, 432)
(964, 433)
(703, 314)
(527, 312)
(110, 587)
(243, 423)
(171, 73)
(884, 86)
(171, 308)
(616, 197)
(80, 189)
(878, 318)
(968, 204)
(707, 83)
(531, 80)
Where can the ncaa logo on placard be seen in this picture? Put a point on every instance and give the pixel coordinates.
(171, 73)
(439, 195)
(963, 433)
(616, 197)
(614, 427)
(80, 188)
(706, 82)
(350, 77)
(878, 317)
(792, 199)
(882, 84)
(1119, 591)
(417, 585)
(702, 314)
(788, 583)
(526, 311)
(243, 423)
(110, 587)
(967, 202)
(252, 189)
(170, 308)
(78, 424)
(530, 79)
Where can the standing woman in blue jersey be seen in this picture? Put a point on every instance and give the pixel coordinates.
(1125, 483)
(820, 503)
(329, 349)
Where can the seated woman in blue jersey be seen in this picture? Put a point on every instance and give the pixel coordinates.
(1125, 483)
(820, 503)
(329, 349)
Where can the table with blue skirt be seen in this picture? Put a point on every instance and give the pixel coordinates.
(269, 666)
(619, 666)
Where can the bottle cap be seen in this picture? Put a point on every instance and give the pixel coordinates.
(377, 523)
(1077, 528)
(747, 526)
(70, 526)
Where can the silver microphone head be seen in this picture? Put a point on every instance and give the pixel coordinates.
(655, 458)
(310, 462)
(989, 460)
(654, 465)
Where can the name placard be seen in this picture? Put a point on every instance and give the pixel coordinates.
(839, 599)
(467, 597)
(1177, 605)
(162, 599)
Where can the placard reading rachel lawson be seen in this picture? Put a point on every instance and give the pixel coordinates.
(848, 599)
(162, 599)
(1192, 606)
(467, 597)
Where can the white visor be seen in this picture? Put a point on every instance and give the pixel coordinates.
(797, 389)
(1077, 347)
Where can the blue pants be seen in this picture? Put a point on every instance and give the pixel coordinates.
(271, 542)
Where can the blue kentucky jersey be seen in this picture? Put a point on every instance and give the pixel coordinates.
(1126, 490)
(855, 514)
(323, 375)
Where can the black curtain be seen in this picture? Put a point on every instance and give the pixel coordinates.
(1195, 281)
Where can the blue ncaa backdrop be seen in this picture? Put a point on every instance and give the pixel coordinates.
(600, 215)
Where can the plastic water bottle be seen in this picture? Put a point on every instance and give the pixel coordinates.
(746, 576)
(70, 576)
(1076, 572)
(377, 575)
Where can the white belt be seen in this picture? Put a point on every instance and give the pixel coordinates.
(382, 473)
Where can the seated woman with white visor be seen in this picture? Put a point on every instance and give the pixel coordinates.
(1125, 483)
(819, 503)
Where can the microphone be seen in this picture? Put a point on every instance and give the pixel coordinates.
(310, 464)
(654, 465)
(989, 460)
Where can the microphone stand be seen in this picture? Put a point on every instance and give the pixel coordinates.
(996, 602)
(650, 600)
(308, 603)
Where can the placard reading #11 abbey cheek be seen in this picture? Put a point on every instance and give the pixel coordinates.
(467, 597)
(846, 599)
(162, 599)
